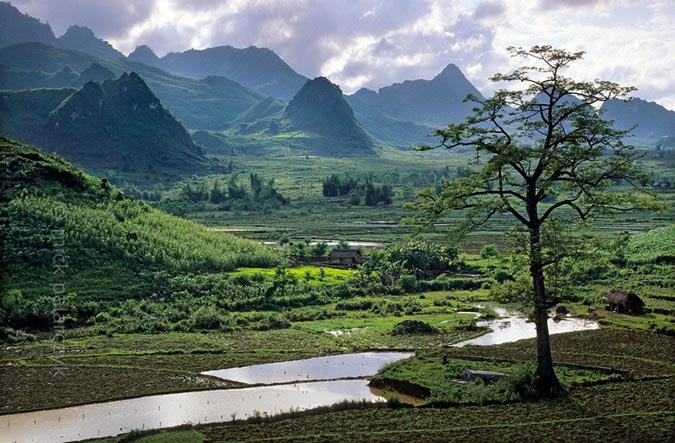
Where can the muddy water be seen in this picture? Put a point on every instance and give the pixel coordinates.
(512, 327)
(321, 368)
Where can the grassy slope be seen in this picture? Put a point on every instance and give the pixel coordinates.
(42, 194)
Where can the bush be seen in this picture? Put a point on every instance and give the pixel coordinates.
(208, 317)
(407, 327)
(489, 251)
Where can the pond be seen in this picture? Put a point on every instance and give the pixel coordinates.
(511, 326)
(160, 411)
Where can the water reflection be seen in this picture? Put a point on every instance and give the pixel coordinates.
(158, 411)
(512, 327)
(331, 367)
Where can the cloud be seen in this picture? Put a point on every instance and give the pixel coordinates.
(373, 43)
(108, 18)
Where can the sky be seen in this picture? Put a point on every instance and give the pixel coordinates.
(374, 43)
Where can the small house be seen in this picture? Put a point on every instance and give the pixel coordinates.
(345, 258)
(624, 302)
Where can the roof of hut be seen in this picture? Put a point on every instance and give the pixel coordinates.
(344, 253)
(621, 296)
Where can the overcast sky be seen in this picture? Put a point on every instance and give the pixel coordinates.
(373, 43)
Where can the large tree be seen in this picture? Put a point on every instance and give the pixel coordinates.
(544, 153)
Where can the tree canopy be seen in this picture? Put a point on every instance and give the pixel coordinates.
(545, 154)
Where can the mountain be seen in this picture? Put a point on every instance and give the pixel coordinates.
(114, 243)
(653, 120)
(394, 132)
(258, 68)
(435, 102)
(81, 38)
(144, 54)
(210, 104)
(115, 125)
(16, 27)
(95, 73)
(320, 108)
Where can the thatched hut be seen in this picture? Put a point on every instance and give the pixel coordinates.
(346, 258)
(624, 302)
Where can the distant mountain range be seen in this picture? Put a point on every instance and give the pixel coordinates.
(257, 68)
(237, 98)
(435, 102)
(653, 120)
(118, 124)
(211, 103)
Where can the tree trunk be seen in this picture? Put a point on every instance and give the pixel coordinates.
(547, 381)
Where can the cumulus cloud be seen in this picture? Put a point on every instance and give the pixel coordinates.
(373, 43)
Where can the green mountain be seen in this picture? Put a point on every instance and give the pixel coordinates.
(16, 27)
(653, 120)
(81, 38)
(320, 108)
(258, 68)
(212, 103)
(115, 125)
(114, 247)
(435, 102)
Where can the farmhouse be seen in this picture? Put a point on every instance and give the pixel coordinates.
(624, 302)
(345, 258)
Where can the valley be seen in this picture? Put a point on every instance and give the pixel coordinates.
(206, 245)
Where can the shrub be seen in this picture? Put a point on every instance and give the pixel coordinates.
(407, 327)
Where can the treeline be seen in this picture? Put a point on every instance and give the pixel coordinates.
(259, 189)
(368, 192)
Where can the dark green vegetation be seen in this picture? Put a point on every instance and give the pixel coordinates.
(113, 125)
(109, 246)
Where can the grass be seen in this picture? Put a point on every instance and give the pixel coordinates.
(330, 275)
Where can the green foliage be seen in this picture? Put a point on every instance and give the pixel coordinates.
(338, 185)
(656, 246)
(52, 208)
(489, 251)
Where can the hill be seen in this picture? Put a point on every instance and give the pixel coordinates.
(320, 108)
(653, 120)
(257, 68)
(115, 246)
(115, 125)
(16, 27)
(435, 102)
(81, 38)
(211, 104)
